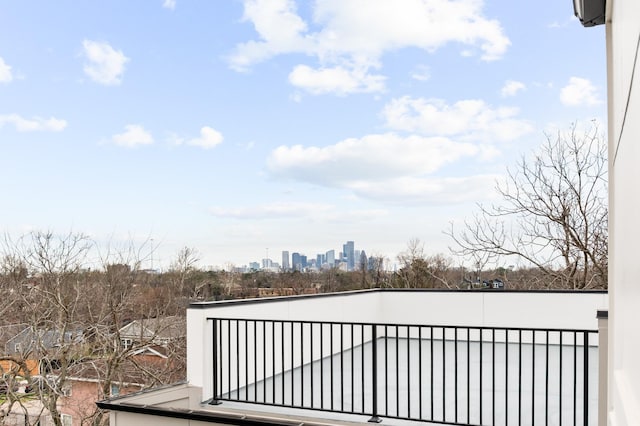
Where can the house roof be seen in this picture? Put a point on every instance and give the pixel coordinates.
(95, 370)
(136, 370)
(36, 339)
(8, 332)
(169, 327)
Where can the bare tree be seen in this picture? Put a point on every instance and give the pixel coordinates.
(553, 213)
(73, 317)
(379, 276)
(181, 269)
(51, 298)
(421, 271)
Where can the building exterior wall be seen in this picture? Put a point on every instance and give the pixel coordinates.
(81, 402)
(33, 365)
(623, 37)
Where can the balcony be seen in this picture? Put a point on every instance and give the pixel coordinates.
(447, 357)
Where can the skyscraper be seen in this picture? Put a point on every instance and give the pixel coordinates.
(296, 262)
(348, 251)
(285, 261)
(331, 258)
(362, 262)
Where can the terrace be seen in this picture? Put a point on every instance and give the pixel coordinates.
(448, 357)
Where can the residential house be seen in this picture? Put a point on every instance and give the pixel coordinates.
(85, 385)
(160, 331)
(30, 344)
(8, 332)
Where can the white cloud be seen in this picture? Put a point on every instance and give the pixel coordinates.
(371, 158)
(296, 97)
(169, 4)
(34, 124)
(417, 190)
(353, 35)
(579, 91)
(105, 64)
(5, 72)
(563, 24)
(421, 73)
(133, 136)
(273, 210)
(209, 138)
(337, 80)
(511, 88)
(387, 168)
(247, 146)
(327, 213)
(470, 119)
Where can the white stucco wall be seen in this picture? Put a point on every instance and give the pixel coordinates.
(575, 310)
(623, 35)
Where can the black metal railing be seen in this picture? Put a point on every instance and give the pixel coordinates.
(440, 374)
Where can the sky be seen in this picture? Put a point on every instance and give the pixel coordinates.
(242, 128)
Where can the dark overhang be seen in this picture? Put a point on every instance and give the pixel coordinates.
(590, 12)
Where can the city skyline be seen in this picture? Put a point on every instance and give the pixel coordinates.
(233, 126)
(347, 259)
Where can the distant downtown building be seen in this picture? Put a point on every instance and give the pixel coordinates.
(296, 262)
(348, 252)
(330, 257)
(349, 259)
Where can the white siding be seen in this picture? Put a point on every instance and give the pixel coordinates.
(623, 34)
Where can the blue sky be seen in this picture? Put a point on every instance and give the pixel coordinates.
(235, 126)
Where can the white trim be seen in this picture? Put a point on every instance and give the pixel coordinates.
(148, 349)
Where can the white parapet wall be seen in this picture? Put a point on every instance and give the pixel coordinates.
(517, 309)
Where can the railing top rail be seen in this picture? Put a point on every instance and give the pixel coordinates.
(371, 324)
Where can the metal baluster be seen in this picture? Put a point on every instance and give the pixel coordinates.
(444, 370)
(431, 374)
(273, 362)
(585, 384)
(546, 381)
(533, 377)
(519, 377)
(302, 364)
(311, 361)
(282, 363)
(408, 373)
(237, 359)
(455, 376)
(493, 376)
(420, 372)
(575, 375)
(216, 348)
(506, 377)
(397, 373)
(560, 378)
(481, 389)
(246, 360)
(374, 375)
